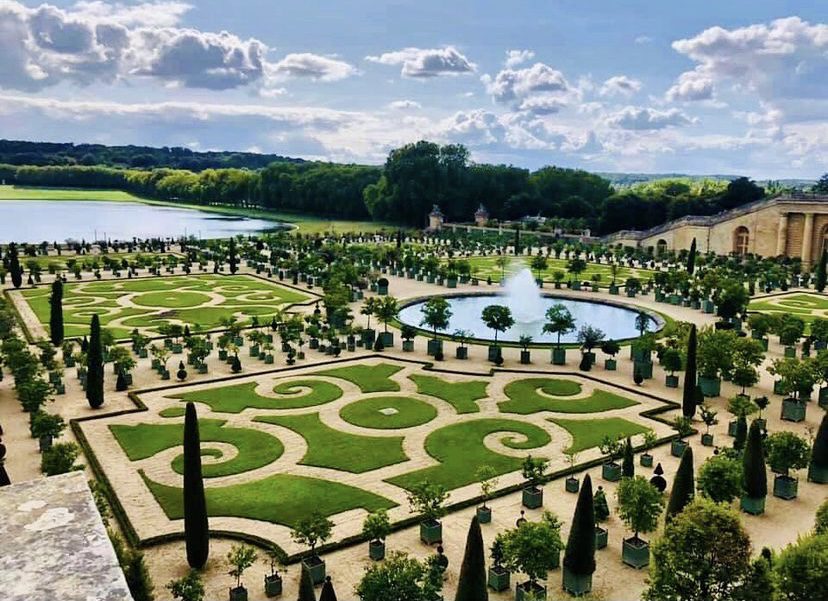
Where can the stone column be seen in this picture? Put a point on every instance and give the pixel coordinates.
(807, 238)
(782, 235)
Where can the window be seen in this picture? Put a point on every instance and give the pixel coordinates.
(741, 240)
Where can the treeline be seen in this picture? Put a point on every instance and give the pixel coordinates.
(414, 178)
(13, 152)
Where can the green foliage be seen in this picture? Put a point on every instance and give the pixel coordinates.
(796, 376)
(436, 314)
(602, 512)
(369, 378)
(754, 476)
(376, 525)
(56, 312)
(94, 365)
(427, 500)
(60, 459)
(787, 451)
(683, 486)
(559, 321)
(715, 352)
(312, 530)
(471, 585)
(134, 568)
(589, 433)
(533, 470)
(400, 578)
(802, 569)
(639, 504)
(533, 548)
(524, 397)
(461, 395)
(196, 528)
(498, 318)
(579, 557)
(821, 521)
(240, 558)
(628, 460)
(720, 478)
(187, 588)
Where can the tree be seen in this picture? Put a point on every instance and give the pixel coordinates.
(539, 263)
(821, 521)
(427, 499)
(703, 554)
(56, 312)
(472, 583)
(533, 548)
(787, 451)
(639, 505)
(400, 578)
(579, 557)
(95, 365)
(187, 588)
(196, 527)
(819, 452)
(231, 256)
(436, 314)
(60, 459)
(628, 460)
(312, 530)
(691, 258)
(754, 476)
(683, 486)
(240, 557)
(14, 266)
(327, 593)
(558, 321)
(819, 282)
(386, 310)
(720, 478)
(802, 569)
(688, 399)
(498, 318)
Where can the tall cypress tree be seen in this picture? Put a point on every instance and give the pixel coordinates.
(579, 557)
(56, 312)
(754, 476)
(95, 365)
(688, 399)
(196, 528)
(328, 593)
(683, 487)
(472, 583)
(14, 266)
(628, 462)
(234, 264)
(819, 453)
(306, 592)
(691, 258)
(820, 272)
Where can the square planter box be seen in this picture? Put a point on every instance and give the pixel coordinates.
(316, 567)
(630, 293)
(525, 357)
(708, 306)
(431, 532)
(610, 364)
(635, 553)
(407, 346)
(790, 352)
(645, 368)
(238, 594)
(576, 584)
(601, 537)
(558, 356)
(461, 352)
(572, 484)
(793, 410)
(823, 397)
(671, 381)
(752, 506)
(817, 474)
(732, 425)
(433, 346)
(484, 515)
(710, 387)
(376, 550)
(532, 498)
(611, 471)
(387, 339)
(273, 585)
(493, 353)
(707, 440)
(646, 460)
(535, 593)
(499, 579)
(777, 387)
(785, 487)
(677, 447)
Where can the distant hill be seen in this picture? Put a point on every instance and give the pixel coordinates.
(13, 152)
(629, 179)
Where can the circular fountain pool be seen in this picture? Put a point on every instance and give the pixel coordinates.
(529, 307)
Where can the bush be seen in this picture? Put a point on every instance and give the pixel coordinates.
(60, 459)
(802, 569)
(720, 479)
(821, 523)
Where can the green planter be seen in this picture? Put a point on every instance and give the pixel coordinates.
(613, 289)
(601, 537)
(646, 460)
(751, 505)
(238, 594)
(610, 364)
(707, 440)
(484, 514)
(785, 487)
(407, 346)
(558, 356)
(499, 579)
(777, 387)
(790, 352)
(528, 592)
(462, 352)
(818, 474)
(376, 550)
(677, 447)
(576, 584)
(532, 497)
(630, 293)
(387, 339)
(273, 585)
(434, 345)
(493, 353)
(793, 410)
(635, 553)
(525, 358)
(823, 397)
(708, 306)
(710, 387)
(572, 484)
(431, 532)
(645, 368)
(611, 471)
(671, 381)
(316, 567)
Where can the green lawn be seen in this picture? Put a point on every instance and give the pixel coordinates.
(280, 499)
(460, 450)
(172, 412)
(588, 433)
(524, 398)
(238, 397)
(255, 448)
(369, 378)
(402, 412)
(461, 395)
(807, 306)
(26, 193)
(485, 267)
(337, 450)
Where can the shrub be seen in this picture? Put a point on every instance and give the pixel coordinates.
(720, 479)
(60, 459)
(639, 504)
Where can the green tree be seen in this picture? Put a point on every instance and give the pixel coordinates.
(56, 312)
(683, 487)
(703, 554)
(802, 569)
(60, 459)
(312, 530)
(95, 365)
(196, 527)
(15, 269)
(240, 558)
(558, 321)
(533, 548)
(232, 257)
(579, 557)
(691, 258)
(720, 479)
(471, 585)
(436, 314)
(187, 588)
(819, 283)
(628, 460)
(639, 505)
(498, 318)
(787, 451)
(688, 399)
(400, 578)
(754, 476)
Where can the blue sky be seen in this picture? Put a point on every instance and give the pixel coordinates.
(732, 87)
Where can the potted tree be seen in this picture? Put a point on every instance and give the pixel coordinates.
(708, 416)
(740, 407)
(639, 504)
(754, 476)
(797, 378)
(558, 321)
(646, 458)
(611, 348)
(714, 357)
(572, 483)
(426, 499)
(602, 514)
(241, 557)
(525, 357)
(461, 337)
(611, 448)
(368, 309)
(436, 315)
(376, 528)
(786, 451)
(589, 337)
(408, 333)
(533, 471)
(533, 548)
(684, 428)
(760, 324)
(487, 476)
(499, 575)
(671, 362)
(310, 531)
(46, 427)
(387, 310)
(498, 318)
(276, 558)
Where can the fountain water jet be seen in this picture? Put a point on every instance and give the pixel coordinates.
(524, 297)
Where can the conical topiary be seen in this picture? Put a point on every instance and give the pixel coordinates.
(328, 593)
(579, 557)
(472, 583)
(628, 461)
(683, 486)
(818, 469)
(688, 399)
(56, 312)
(95, 365)
(196, 527)
(754, 475)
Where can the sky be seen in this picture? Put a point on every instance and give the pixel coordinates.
(702, 87)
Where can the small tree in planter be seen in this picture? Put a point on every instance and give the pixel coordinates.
(533, 548)
(46, 427)
(639, 505)
(498, 574)
(602, 514)
(754, 476)
(760, 324)
(671, 362)
(436, 315)
(611, 448)
(376, 528)
(715, 357)
(708, 416)
(683, 487)
(720, 478)
(462, 338)
(187, 588)
(748, 354)
(558, 321)
(786, 451)
(818, 467)
(684, 428)
(427, 499)
(590, 337)
(610, 348)
(533, 471)
(408, 333)
(579, 558)
(241, 557)
(790, 329)
(311, 531)
(386, 311)
(498, 318)
(487, 476)
(275, 559)
(741, 407)
(646, 458)
(797, 378)
(572, 483)
(525, 341)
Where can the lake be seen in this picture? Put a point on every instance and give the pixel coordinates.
(38, 220)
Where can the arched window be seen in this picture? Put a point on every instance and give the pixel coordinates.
(823, 240)
(661, 246)
(741, 240)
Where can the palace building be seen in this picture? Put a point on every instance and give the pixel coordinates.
(793, 226)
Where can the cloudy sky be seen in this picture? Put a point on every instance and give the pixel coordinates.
(734, 86)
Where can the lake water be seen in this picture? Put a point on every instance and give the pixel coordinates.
(38, 220)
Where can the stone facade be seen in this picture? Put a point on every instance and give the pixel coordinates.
(794, 226)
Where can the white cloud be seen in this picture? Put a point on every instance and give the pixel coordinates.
(643, 39)
(620, 85)
(512, 84)
(643, 118)
(426, 63)
(691, 85)
(404, 105)
(518, 57)
(312, 66)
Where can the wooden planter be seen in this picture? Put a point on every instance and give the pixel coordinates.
(707, 440)
(601, 537)
(527, 591)
(532, 497)
(610, 364)
(572, 484)
(818, 474)
(273, 585)
(645, 368)
(710, 387)
(499, 579)
(646, 460)
(431, 532)
(611, 471)
(238, 594)
(407, 346)
(525, 358)
(493, 353)
(316, 568)
(376, 550)
(558, 356)
(434, 345)
(751, 505)
(635, 552)
(576, 584)
(785, 487)
(678, 446)
(462, 352)
(484, 514)
(387, 339)
(793, 410)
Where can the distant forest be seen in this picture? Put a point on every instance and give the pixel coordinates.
(403, 190)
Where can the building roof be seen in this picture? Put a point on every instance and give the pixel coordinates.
(55, 546)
